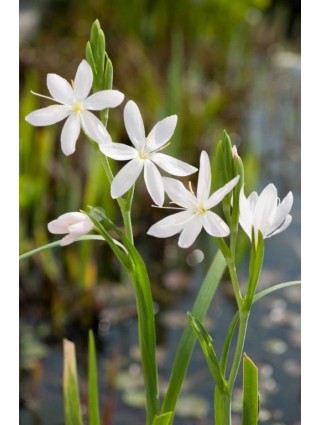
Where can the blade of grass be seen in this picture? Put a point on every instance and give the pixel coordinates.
(72, 407)
(93, 405)
(250, 410)
(188, 339)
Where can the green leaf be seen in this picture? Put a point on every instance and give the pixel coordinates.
(144, 301)
(235, 320)
(72, 407)
(250, 410)
(93, 402)
(188, 339)
(205, 341)
(108, 75)
(255, 266)
(163, 419)
(95, 216)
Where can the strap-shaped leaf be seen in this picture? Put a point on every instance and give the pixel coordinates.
(93, 390)
(205, 342)
(188, 339)
(164, 419)
(72, 407)
(146, 326)
(250, 410)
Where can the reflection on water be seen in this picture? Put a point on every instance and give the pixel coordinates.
(272, 126)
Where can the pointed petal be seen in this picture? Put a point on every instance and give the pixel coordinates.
(82, 227)
(67, 240)
(281, 213)
(178, 193)
(204, 179)
(70, 134)
(83, 81)
(214, 225)
(246, 212)
(170, 225)
(190, 232)
(126, 177)
(47, 116)
(265, 209)
(119, 151)
(154, 182)
(162, 132)
(217, 196)
(62, 223)
(94, 128)
(104, 99)
(60, 89)
(172, 165)
(283, 226)
(134, 124)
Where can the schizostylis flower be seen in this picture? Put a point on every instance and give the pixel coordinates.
(196, 209)
(75, 224)
(72, 102)
(144, 155)
(265, 212)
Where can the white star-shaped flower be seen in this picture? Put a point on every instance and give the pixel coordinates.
(76, 224)
(144, 155)
(196, 212)
(75, 105)
(265, 212)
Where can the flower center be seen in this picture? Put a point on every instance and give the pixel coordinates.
(77, 107)
(143, 154)
(201, 209)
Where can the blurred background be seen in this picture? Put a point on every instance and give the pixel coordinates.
(217, 64)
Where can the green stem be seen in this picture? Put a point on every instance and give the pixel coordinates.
(232, 270)
(222, 408)
(57, 243)
(124, 204)
(244, 317)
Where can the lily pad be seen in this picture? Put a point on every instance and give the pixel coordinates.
(192, 406)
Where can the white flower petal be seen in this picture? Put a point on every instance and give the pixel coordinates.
(178, 193)
(82, 227)
(134, 124)
(118, 151)
(281, 213)
(94, 128)
(63, 222)
(172, 165)
(60, 89)
(154, 182)
(162, 132)
(283, 226)
(104, 99)
(170, 225)
(47, 116)
(204, 179)
(214, 225)
(70, 134)
(265, 209)
(217, 196)
(67, 240)
(126, 177)
(253, 199)
(83, 81)
(246, 212)
(190, 232)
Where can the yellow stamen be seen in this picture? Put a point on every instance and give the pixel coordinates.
(190, 187)
(165, 146)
